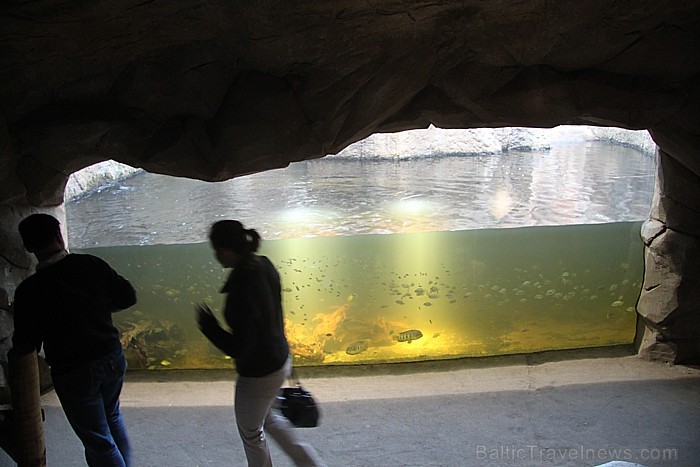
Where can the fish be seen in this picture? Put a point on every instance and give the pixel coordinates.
(356, 347)
(408, 336)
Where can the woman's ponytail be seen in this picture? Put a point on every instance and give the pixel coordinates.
(252, 240)
(231, 234)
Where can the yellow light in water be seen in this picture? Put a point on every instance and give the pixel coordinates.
(502, 204)
(303, 221)
(413, 206)
(416, 214)
(297, 215)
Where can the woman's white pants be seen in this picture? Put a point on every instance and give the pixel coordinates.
(255, 417)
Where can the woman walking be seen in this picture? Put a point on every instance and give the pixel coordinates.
(257, 343)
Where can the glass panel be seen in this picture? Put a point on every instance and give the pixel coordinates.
(401, 297)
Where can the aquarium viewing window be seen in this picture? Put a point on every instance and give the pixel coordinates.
(386, 260)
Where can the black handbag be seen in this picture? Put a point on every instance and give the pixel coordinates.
(299, 406)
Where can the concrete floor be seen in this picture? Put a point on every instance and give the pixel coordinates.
(573, 408)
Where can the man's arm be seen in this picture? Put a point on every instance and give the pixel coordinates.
(121, 292)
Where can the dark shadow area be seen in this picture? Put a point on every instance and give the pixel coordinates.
(576, 425)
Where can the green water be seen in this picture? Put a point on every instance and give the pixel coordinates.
(348, 299)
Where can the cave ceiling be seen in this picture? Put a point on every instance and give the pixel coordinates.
(216, 89)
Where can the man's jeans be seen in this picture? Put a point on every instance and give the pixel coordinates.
(89, 396)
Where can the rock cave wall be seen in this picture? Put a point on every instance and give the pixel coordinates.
(214, 90)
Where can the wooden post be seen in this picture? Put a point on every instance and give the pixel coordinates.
(29, 448)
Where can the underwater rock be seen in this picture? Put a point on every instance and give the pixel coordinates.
(306, 354)
(146, 340)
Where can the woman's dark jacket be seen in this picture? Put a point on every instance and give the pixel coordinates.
(254, 314)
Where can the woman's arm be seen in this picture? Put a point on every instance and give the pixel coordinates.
(209, 326)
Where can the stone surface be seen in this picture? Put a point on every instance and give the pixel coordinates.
(669, 304)
(213, 90)
(95, 177)
(650, 230)
(437, 141)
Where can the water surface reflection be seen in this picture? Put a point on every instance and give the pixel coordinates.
(578, 184)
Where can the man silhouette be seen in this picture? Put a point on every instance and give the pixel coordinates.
(67, 306)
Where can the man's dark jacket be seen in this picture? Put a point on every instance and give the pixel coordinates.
(68, 307)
